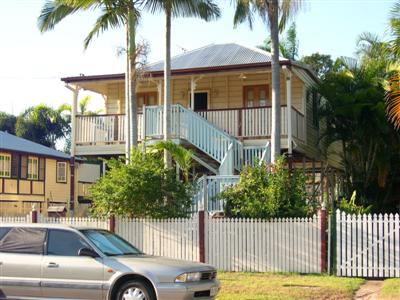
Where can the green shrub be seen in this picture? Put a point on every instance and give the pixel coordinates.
(350, 206)
(142, 188)
(267, 191)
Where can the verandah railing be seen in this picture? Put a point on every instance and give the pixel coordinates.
(237, 122)
(252, 122)
(103, 129)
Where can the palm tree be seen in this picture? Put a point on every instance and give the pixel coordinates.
(275, 13)
(83, 107)
(393, 100)
(206, 10)
(181, 156)
(288, 46)
(393, 85)
(114, 14)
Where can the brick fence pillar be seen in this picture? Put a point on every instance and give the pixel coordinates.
(111, 223)
(202, 248)
(322, 222)
(34, 215)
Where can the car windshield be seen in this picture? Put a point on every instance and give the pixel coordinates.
(110, 244)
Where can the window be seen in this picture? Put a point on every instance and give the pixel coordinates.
(61, 172)
(149, 98)
(5, 165)
(3, 231)
(33, 168)
(315, 99)
(23, 240)
(64, 243)
(110, 244)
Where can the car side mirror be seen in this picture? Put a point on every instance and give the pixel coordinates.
(87, 252)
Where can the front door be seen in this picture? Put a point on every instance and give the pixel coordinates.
(200, 101)
(21, 254)
(67, 275)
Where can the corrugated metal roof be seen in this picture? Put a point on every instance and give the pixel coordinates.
(12, 143)
(215, 55)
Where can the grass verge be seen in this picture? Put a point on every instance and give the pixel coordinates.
(285, 286)
(390, 289)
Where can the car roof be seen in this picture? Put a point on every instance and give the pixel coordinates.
(45, 225)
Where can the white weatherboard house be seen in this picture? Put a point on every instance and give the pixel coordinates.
(221, 96)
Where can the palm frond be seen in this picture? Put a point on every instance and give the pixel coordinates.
(110, 18)
(287, 10)
(52, 13)
(393, 100)
(394, 26)
(243, 13)
(205, 9)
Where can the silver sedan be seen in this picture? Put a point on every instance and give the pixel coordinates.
(61, 262)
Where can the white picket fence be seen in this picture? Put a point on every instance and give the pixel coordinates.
(367, 245)
(174, 238)
(253, 245)
(285, 245)
(79, 222)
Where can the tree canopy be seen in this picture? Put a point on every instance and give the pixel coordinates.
(7, 122)
(268, 192)
(42, 124)
(141, 188)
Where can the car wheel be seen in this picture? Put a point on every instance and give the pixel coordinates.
(135, 290)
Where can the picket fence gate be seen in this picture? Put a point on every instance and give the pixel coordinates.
(367, 245)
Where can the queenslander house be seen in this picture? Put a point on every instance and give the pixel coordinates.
(221, 110)
(32, 175)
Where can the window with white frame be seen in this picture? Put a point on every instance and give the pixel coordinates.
(5, 165)
(33, 168)
(61, 171)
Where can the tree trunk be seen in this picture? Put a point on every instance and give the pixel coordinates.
(167, 86)
(132, 81)
(276, 101)
(127, 100)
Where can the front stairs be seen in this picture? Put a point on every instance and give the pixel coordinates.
(212, 148)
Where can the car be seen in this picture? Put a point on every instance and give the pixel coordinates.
(52, 261)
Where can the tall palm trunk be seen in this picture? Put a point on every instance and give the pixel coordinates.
(276, 101)
(132, 81)
(167, 85)
(127, 100)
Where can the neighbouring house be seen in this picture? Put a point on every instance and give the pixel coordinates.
(34, 175)
(221, 96)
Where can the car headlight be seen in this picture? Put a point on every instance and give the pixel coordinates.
(188, 277)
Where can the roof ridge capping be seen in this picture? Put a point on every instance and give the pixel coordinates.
(181, 54)
(261, 51)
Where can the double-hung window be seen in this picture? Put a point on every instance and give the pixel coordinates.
(33, 168)
(61, 172)
(5, 165)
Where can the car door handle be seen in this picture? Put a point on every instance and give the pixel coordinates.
(52, 265)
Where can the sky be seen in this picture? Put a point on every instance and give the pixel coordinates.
(32, 63)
